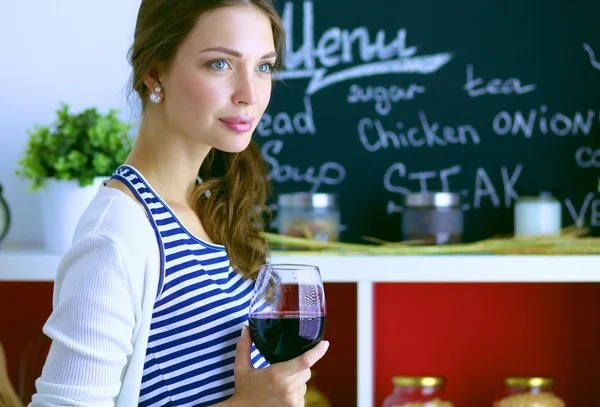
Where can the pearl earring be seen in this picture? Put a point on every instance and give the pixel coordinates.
(154, 98)
(158, 89)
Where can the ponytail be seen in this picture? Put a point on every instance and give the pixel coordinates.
(230, 204)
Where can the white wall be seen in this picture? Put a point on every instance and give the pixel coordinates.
(52, 51)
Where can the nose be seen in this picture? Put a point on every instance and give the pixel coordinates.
(245, 90)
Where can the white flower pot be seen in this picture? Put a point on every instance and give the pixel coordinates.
(63, 203)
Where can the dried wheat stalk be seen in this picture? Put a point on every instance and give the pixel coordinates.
(568, 242)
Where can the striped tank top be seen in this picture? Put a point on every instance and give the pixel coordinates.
(200, 308)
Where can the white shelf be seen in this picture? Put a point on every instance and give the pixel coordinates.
(37, 265)
(453, 268)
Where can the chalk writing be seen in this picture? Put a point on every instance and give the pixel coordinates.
(590, 51)
(494, 86)
(329, 173)
(283, 123)
(383, 97)
(374, 136)
(579, 216)
(586, 157)
(558, 124)
(398, 180)
(335, 47)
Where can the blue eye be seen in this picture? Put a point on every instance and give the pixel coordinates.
(265, 68)
(220, 65)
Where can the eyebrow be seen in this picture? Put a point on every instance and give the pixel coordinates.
(235, 53)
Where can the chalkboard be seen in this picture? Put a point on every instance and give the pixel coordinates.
(484, 98)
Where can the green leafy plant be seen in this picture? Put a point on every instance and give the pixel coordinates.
(75, 147)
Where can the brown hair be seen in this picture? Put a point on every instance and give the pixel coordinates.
(231, 200)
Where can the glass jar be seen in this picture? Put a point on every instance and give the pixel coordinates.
(432, 218)
(417, 392)
(528, 392)
(314, 397)
(538, 214)
(4, 216)
(312, 216)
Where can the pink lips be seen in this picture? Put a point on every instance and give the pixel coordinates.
(240, 124)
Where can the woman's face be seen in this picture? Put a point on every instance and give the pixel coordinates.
(219, 84)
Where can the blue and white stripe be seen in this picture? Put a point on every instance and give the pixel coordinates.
(200, 308)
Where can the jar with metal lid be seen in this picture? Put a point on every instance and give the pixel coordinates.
(314, 397)
(312, 216)
(432, 218)
(528, 392)
(538, 214)
(420, 391)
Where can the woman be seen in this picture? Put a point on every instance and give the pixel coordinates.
(151, 298)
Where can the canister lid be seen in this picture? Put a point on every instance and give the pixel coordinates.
(528, 381)
(432, 200)
(419, 381)
(543, 194)
(305, 200)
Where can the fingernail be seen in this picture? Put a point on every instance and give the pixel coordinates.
(326, 344)
(243, 330)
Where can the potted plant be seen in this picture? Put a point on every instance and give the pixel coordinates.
(66, 163)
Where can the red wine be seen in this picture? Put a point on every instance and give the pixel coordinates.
(281, 336)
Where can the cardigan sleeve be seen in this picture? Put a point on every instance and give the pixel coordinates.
(91, 327)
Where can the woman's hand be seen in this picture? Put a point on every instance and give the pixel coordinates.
(280, 385)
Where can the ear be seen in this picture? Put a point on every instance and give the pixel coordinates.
(152, 82)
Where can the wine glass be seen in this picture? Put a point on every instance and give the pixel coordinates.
(287, 311)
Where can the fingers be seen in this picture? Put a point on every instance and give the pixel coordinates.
(304, 361)
(295, 398)
(243, 361)
(301, 378)
(301, 393)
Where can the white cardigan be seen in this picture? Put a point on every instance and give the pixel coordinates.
(104, 294)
